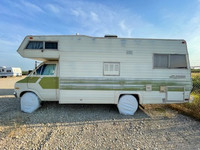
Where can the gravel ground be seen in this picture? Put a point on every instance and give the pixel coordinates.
(55, 126)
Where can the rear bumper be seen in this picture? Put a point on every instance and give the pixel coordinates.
(191, 99)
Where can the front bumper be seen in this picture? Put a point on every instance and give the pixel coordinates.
(15, 94)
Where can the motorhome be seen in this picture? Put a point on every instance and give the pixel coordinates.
(128, 72)
(10, 72)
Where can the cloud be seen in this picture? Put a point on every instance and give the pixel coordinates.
(31, 6)
(94, 16)
(125, 28)
(78, 13)
(96, 19)
(53, 8)
(7, 42)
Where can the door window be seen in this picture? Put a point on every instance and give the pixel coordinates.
(46, 69)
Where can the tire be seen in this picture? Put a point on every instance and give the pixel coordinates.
(29, 102)
(127, 105)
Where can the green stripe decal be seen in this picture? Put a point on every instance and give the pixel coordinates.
(126, 85)
(107, 84)
(49, 82)
(96, 87)
(172, 89)
(123, 82)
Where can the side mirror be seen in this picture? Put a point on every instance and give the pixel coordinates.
(29, 71)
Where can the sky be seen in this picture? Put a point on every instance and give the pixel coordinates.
(165, 19)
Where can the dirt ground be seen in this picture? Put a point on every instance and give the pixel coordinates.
(7, 85)
(55, 126)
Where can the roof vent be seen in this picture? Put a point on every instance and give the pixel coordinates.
(110, 36)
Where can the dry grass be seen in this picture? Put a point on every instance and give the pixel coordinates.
(191, 109)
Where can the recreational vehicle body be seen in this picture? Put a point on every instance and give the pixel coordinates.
(10, 72)
(79, 69)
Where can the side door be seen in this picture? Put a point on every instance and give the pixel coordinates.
(44, 81)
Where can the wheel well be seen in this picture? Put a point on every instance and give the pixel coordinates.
(22, 93)
(135, 95)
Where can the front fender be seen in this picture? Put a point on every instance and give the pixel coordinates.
(33, 91)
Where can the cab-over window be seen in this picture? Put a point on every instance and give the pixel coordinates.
(42, 45)
(35, 45)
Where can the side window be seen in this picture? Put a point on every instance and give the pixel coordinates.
(172, 61)
(111, 69)
(51, 45)
(42, 45)
(161, 60)
(178, 61)
(35, 45)
(46, 69)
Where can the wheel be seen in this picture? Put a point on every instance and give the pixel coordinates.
(127, 105)
(29, 102)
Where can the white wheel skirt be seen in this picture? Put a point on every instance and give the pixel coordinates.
(127, 105)
(29, 102)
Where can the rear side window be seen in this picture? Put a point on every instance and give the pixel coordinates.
(35, 45)
(178, 61)
(161, 60)
(172, 61)
(51, 45)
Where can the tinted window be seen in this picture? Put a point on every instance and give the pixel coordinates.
(51, 45)
(161, 61)
(35, 45)
(178, 61)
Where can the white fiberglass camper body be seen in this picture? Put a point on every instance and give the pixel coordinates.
(79, 69)
(10, 72)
